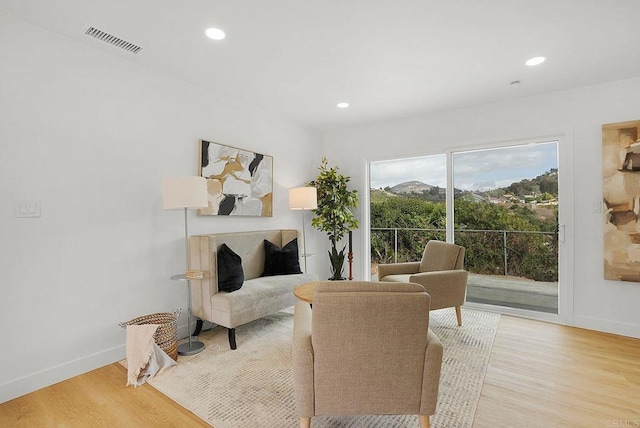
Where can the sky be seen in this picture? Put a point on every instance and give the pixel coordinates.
(473, 170)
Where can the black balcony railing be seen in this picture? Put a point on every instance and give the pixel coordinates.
(527, 254)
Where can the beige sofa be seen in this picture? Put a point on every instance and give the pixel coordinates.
(259, 296)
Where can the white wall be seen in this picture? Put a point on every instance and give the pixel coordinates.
(597, 304)
(91, 135)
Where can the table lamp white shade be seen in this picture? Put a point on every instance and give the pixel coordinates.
(303, 198)
(184, 192)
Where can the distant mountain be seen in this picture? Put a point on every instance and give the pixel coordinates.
(546, 183)
(413, 187)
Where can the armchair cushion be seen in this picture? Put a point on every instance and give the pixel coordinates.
(397, 269)
(401, 277)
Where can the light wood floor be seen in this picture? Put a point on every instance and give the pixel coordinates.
(547, 375)
(97, 399)
(539, 375)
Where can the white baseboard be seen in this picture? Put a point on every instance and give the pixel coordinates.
(607, 326)
(55, 374)
(589, 323)
(43, 378)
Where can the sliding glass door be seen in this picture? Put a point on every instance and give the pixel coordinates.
(500, 203)
(407, 207)
(506, 216)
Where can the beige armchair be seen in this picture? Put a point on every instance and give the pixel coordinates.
(440, 272)
(367, 350)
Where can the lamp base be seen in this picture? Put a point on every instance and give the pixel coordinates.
(190, 348)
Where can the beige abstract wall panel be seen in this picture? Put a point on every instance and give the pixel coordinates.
(239, 182)
(621, 185)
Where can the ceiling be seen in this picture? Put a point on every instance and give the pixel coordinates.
(388, 59)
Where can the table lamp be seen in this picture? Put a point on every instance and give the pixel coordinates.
(303, 199)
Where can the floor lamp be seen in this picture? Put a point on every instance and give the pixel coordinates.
(303, 199)
(182, 193)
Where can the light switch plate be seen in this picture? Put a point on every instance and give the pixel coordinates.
(596, 208)
(27, 209)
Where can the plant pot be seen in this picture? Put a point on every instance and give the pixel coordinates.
(337, 262)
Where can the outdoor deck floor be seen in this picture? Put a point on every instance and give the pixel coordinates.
(513, 292)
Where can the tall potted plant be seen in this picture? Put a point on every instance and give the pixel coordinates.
(334, 215)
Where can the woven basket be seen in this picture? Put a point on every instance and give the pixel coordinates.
(166, 336)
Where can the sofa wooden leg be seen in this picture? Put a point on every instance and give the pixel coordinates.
(424, 421)
(198, 328)
(232, 338)
(305, 422)
(459, 315)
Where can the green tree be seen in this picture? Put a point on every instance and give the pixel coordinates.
(478, 226)
(334, 215)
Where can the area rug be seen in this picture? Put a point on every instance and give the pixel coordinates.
(253, 385)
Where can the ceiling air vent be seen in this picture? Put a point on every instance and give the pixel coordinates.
(112, 40)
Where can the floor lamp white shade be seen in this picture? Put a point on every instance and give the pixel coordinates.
(185, 193)
(303, 199)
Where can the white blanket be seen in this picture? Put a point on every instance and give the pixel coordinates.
(145, 358)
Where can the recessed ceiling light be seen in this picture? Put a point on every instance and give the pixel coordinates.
(536, 60)
(215, 33)
(342, 105)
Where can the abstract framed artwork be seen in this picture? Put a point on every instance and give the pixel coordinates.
(239, 182)
(621, 186)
